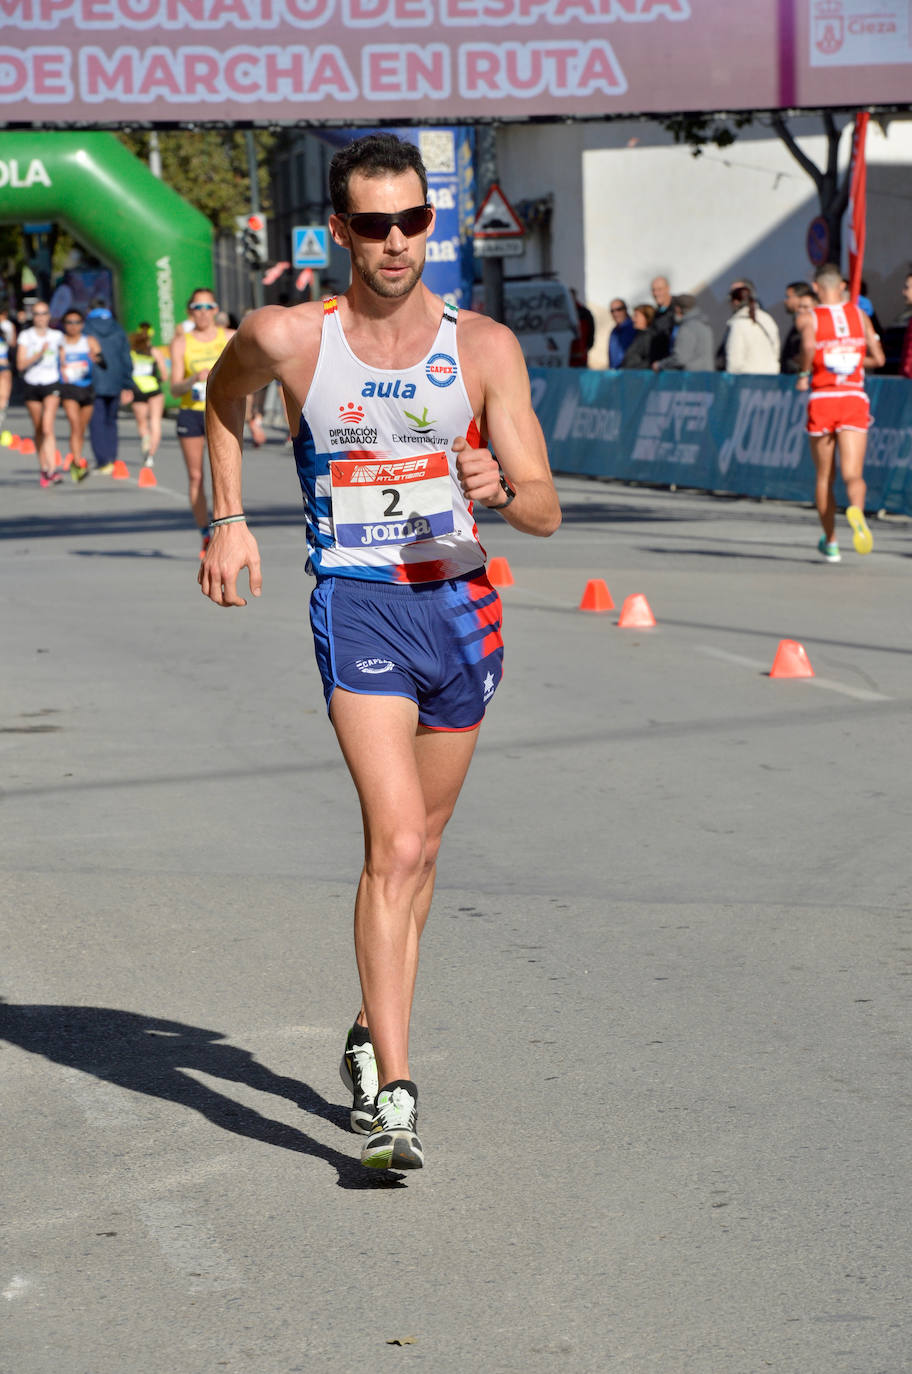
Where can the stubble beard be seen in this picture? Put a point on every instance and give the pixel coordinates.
(389, 290)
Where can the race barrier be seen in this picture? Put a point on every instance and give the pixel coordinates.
(713, 432)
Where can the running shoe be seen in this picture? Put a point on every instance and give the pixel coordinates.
(861, 535)
(79, 471)
(51, 478)
(105, 469)
(830, 549)
(392, 1143)
(358, 1072)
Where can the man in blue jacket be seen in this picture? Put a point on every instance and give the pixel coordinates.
(621, 336)
(112, 381)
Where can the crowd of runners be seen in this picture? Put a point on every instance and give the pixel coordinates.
(86, 367)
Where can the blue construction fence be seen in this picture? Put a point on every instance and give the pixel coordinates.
(714, 432)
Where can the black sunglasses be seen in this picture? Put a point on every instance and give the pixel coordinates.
(371, 224)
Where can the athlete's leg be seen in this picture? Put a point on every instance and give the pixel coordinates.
(407, 784)
(192, 447)
(73, 411)
(156, 411)
(6, 386)
(852, 446)
(48, 447)
(34, 409)
(141, 416)
(823, 452)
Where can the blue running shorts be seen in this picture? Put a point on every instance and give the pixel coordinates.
(437, 643)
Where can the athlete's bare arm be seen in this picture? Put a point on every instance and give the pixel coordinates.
(875, 356)
(498, 385)
(270, 343)
(180, 383)
(807, 328)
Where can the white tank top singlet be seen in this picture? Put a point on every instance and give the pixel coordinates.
(376, 467)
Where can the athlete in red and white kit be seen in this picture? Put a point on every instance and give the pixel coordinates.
(838, 343)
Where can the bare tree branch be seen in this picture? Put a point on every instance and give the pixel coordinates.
(804, 162)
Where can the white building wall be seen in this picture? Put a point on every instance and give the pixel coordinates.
(630, 204)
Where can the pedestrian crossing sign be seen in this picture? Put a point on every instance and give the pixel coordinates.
(310, 245)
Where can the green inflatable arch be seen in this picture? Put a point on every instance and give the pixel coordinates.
(158, 247)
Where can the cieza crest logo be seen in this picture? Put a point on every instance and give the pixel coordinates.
(441, 369)
(374, 665)
(351, 431)
(829, 26)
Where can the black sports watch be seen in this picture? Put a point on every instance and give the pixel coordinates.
(509, 493)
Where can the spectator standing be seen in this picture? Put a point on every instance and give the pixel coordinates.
(621, 336)
(905, 360)
(751, 343)
(692, 350)
(113, 383)
(586, 331)
(38, 364)
(663, 325)
(790, 357)
(639, 354)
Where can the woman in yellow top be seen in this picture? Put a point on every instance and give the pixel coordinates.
(193, 356)
(148, 396)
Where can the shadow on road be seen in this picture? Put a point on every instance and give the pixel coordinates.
(147, 1054)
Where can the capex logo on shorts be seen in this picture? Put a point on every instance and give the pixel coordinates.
(441, 369)
(374, 665)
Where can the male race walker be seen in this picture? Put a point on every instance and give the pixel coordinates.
(837, 343)
(396, 401)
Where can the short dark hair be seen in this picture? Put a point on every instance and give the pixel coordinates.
(829, 271)
(684, 302)
(74, 310)
(800, 288)
(372, 155)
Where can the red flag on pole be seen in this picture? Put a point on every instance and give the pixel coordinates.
(858, 184)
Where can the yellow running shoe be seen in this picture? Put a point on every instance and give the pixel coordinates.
(861, 535)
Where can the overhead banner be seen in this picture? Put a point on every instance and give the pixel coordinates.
(713, 432)
(105, 62)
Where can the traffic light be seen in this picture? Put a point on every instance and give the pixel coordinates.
(253, 240)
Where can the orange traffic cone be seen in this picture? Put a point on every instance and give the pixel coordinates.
(596, 597)
(67, 462)
(791, 660)
(15, 444)
(499, 574)
(120, 469)
(147, 477)
(26, 445)
(636, 614)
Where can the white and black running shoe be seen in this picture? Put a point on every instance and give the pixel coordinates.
(358, 1072)
(392, 1142)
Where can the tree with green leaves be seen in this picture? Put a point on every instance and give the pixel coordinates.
(721, 131)
(208, 167)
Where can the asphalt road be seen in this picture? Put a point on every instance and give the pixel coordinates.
(662, 1031)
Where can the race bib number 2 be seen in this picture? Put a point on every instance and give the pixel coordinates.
(391, 501)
